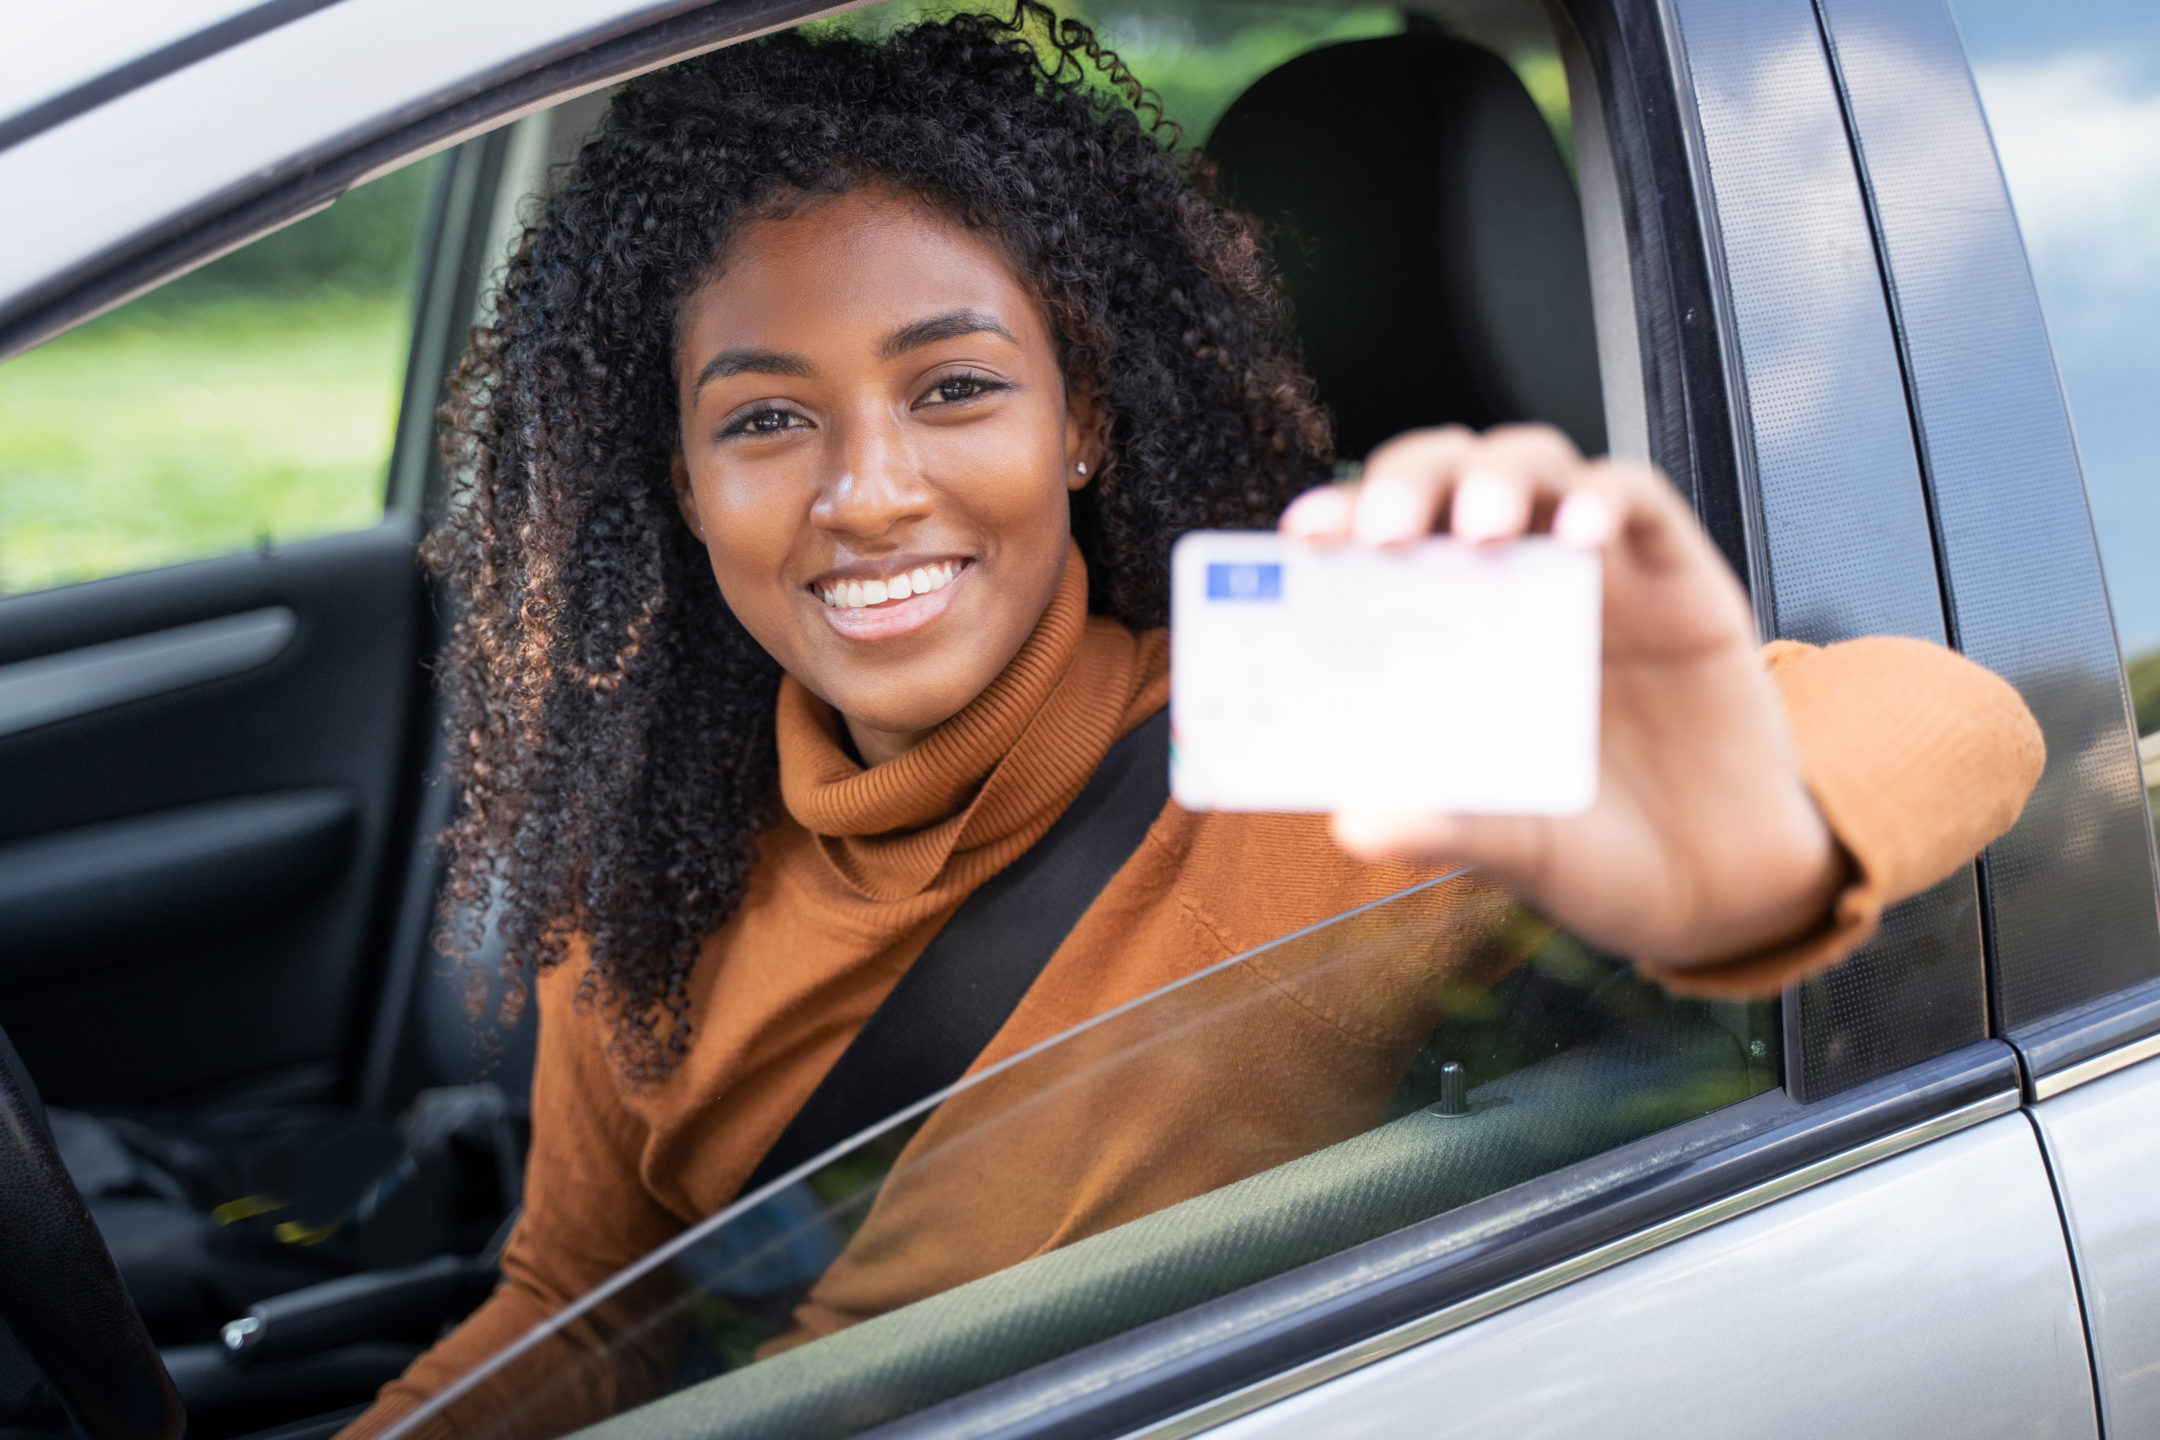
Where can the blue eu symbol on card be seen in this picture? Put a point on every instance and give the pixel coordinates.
(1252, 581)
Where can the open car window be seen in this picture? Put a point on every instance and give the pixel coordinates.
(248, 404)
(1326, 1089)
(1293, 1101)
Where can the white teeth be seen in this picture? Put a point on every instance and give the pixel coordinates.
(855, 594)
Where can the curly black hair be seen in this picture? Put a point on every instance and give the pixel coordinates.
(611, 723)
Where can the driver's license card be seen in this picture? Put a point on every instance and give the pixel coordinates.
(1439, 677)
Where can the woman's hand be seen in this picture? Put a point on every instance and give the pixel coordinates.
(1703, 843)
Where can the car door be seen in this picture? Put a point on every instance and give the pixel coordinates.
(2070, 95)
(1687, 1221)
(1665, 1161)
(211, 694)
(215, 877)
(1882, 335)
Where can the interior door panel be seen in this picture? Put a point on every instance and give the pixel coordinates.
(205, 771)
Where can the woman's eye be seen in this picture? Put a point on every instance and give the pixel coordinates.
(764, 422)
(955, 388)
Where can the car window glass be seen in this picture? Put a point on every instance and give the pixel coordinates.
(1268, 1111)
(2072, 94)
(250, 402)
(1271, 1109)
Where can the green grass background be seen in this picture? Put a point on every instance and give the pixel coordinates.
(127, 445)
(249, 402)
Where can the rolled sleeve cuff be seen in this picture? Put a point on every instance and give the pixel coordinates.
(1917, 759)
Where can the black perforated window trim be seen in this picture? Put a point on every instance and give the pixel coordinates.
(1841, 542)
(2070, 893)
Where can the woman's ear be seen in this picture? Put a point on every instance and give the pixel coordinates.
(685, 497)
(1086, 437)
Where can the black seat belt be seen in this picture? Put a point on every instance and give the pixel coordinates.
(969, 979)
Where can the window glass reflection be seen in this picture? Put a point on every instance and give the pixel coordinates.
(2072, 94)
(1270, 1111)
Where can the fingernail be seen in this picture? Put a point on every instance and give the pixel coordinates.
(1585, 521)
(1322, 514)
(1487, 507)
(1389, 514)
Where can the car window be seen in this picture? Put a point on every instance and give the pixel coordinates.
(1272, 1109)
(2071, 89)
(1343, 1081)
(250, 402)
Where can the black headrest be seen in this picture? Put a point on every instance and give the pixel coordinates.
(1428, 232)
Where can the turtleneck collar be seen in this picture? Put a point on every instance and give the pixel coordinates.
(986, 784)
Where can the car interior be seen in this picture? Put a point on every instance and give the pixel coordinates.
(300, 1129)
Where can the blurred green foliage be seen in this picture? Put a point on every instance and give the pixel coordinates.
(254, 400)
(363, 247)
(134, 442)
(2143, 673)
(248, 402)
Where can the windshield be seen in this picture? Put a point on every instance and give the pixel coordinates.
(1327, 1088)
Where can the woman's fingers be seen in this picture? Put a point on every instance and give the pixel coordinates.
(1482, 488)
(1406, 485)
(1489, 505)
(1586, 520)
(1321, 516)
(1514, 846)
(1513, 483)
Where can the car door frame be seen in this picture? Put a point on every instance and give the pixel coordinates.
(1880, 1064)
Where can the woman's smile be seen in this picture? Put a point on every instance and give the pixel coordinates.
(882, 600)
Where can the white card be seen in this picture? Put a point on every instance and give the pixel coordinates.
(1439, 677)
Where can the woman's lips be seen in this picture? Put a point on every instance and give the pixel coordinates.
(854, 610)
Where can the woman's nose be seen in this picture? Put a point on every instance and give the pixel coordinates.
(872, 485)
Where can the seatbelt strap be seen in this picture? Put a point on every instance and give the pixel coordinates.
(969, 979)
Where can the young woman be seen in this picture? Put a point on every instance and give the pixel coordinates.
(816, 480)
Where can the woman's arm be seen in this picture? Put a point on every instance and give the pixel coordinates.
(1748, 826)
(1916, 757)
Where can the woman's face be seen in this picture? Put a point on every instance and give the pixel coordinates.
(877, 450)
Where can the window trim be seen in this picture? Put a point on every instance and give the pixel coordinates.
(154, 65)
(2091, 1042)
(2073, 920)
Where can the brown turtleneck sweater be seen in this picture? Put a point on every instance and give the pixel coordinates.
(1916, 757)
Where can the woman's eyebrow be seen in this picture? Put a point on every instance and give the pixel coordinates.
(949, 326)
(753, 362)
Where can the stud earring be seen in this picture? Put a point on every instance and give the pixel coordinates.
(1081, 467)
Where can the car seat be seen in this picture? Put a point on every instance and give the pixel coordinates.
(1428, 232)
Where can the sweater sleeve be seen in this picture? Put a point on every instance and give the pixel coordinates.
(586, 1215)
(1917, 758)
